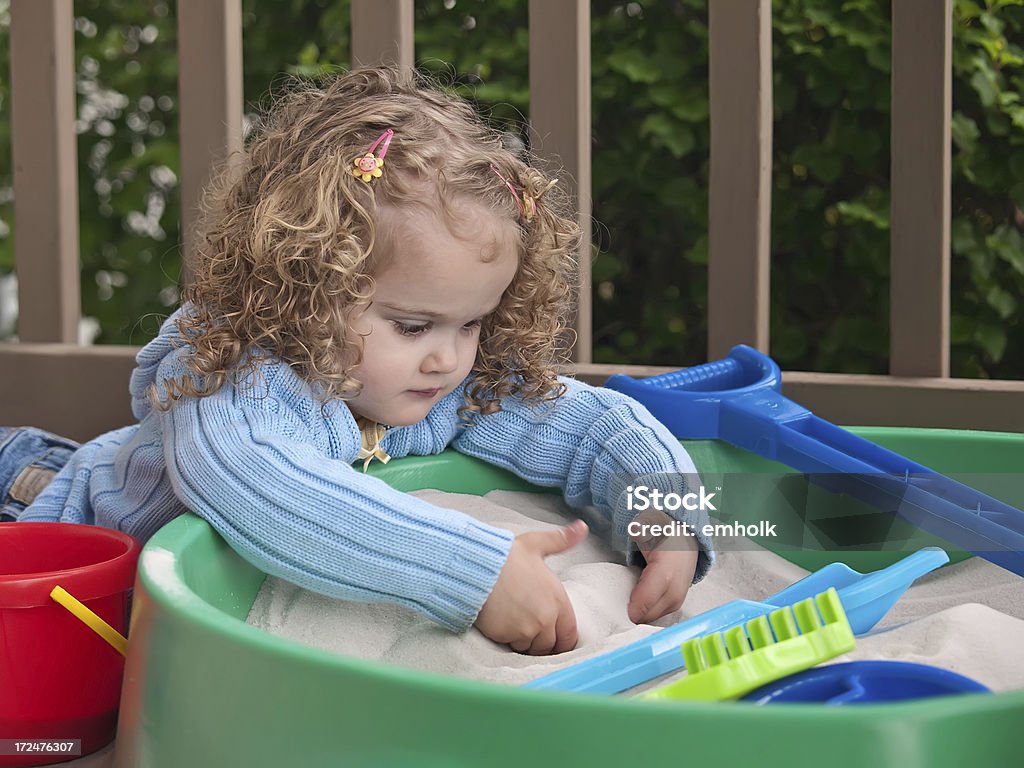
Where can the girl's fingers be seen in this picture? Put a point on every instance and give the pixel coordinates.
(546, 543)
(670, 602)
(543, 642)
(520, 646)
(653, 585)
(565, 628)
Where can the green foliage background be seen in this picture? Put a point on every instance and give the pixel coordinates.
(650, 145)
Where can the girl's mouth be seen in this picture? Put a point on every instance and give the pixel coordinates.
(425, 392)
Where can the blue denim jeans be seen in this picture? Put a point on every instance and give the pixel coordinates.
(29, 458)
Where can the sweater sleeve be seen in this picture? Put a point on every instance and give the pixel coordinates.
(592, 443)
(251, 468)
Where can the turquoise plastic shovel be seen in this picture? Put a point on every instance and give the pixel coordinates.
(866, 598)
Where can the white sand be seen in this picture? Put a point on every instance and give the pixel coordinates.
(968, 618)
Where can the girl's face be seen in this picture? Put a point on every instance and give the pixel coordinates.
(422, 327)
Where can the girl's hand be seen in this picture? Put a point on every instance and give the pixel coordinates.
(528, 607)
(665, 581)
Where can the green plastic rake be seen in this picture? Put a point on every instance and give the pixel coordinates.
(727, 665)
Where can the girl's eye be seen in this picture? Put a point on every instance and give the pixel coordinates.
(472, 325)
(410, 330)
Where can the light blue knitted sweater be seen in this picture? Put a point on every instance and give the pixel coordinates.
(272, 472)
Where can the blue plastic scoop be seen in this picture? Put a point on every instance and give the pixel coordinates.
(866, 598)
(738, 400)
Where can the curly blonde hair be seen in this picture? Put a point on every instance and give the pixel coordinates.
(285, 247)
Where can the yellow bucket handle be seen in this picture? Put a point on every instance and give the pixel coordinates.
(90, 619)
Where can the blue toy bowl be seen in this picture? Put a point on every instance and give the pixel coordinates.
(865, 682)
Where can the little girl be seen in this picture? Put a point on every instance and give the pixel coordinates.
(378, 277)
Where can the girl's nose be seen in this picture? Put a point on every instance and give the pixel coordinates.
(442, 358)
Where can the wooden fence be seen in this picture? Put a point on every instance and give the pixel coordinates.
(48, 380)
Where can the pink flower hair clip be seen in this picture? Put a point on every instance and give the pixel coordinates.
(368, 166)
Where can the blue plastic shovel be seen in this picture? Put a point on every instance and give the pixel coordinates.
(739, 400)
(866, 598)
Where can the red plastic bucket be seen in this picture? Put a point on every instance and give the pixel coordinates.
(58, 678)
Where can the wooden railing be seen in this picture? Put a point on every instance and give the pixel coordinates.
(49, 381)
